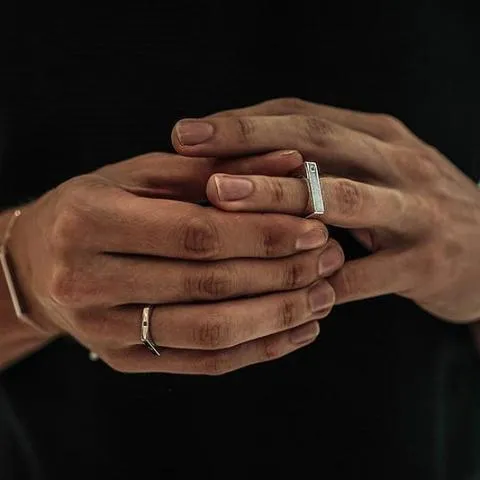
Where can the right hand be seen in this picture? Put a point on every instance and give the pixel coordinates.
(229, 289)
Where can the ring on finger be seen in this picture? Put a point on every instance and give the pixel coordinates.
(145, 335)
(309, 172)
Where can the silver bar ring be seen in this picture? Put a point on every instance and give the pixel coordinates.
(146, 336)
(309, 172)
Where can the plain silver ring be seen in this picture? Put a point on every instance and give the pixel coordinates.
(145, 335)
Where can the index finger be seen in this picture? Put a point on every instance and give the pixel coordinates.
(121, 223)
(381, 126)
(336, 149)
(349, 204)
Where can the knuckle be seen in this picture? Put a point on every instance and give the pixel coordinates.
(65, 286)
(217, 363)
(276, 190)
(287, 313)
(347, 197)
(217, 282)
(296, 275)
(70, 223)
(389, 123)
(269, 348)
(213, 333)
(425, 161)
(318, 130)
(200, 238)
(275, 236)
(246, 129)
(272, 242)
(417, 164)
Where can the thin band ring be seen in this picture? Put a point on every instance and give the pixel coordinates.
(145, 335)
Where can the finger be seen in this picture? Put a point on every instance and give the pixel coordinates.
(122, 279)
(381, 126)
(139, 360)
(381, 273)
(348, 203)
(214, 326)
(276, 164)
(172, 176)
(336, 149)
(174, 229)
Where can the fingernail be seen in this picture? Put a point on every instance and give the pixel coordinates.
(314, 238)
(320, 315)
(285, 153)
(192, 132)
(305, 333)
(329, 261)
(232, 188)
(320, 296)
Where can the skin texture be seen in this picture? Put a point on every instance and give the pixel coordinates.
(417, 213)
(231, 285)
(230, 289)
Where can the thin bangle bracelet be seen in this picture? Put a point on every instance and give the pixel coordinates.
(9, 277)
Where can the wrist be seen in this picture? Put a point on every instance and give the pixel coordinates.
(17, 275)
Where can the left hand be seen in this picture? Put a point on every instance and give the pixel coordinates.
(416, 212)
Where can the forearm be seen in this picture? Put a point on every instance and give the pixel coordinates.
(17, 338)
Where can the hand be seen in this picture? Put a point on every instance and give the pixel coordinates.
(418, 214)
(229, 289)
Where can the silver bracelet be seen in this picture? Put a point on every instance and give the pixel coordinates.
(9, 277)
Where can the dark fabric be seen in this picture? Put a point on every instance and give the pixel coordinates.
(387, 391)
(17, 459)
